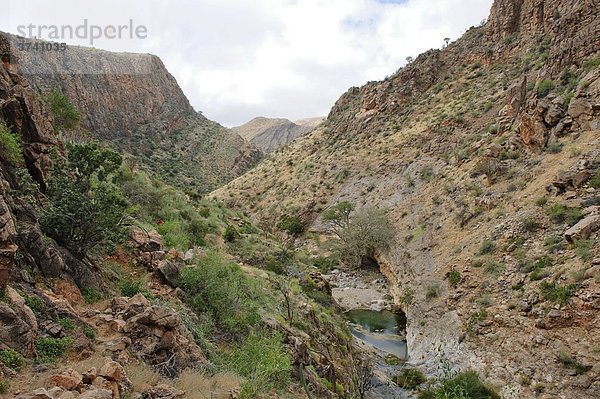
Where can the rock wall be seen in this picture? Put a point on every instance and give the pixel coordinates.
(131, 102)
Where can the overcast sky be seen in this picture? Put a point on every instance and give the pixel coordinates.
(238, 59)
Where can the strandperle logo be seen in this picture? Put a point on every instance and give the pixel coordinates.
(84, 31)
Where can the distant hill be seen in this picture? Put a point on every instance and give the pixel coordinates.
(268, 134)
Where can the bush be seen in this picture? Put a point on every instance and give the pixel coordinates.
(464, 385)
(583, 249)
(49, 349)
(560, 213)
(11, 148)
(131, 288)
(12, 359)
(219, 287)
(66, 323)
(91, 295)
(264, 362)
(410, 378)
(36, 304)
(291, 224)
(545, 88)
(231, 234)
(4, 386)
(488, 247)
(595, 180)
(557, 294)
(454, 278)
(85, 207)
(541, 201)
(66, 117)
(592, 64)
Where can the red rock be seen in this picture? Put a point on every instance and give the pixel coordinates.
(68, 379)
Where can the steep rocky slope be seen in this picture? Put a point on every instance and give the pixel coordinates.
(483, 154)
(133, 103)
(269, 134)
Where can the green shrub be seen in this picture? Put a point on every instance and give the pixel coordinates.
(558, 294)
(464, 385)
(36, 304)
(565, 358)
(541, 201)
(11, 148)
(91, 295)
(454, 278)
(90, 333)
(131, 288)
(66, 323)
(595, 180)
(545, 88)
(4, 386)
(488, 247)
(12, 359)
(264, 362)
(85, 207)
(592, 64)
(231, 234)
(291, 224)
(408, 296)
(66, 117)
(49, 349)
(410, 378)
(560, 213)
(583, 249)
(219, 287)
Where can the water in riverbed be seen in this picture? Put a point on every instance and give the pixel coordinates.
(384, 330)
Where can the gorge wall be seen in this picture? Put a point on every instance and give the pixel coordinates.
(132, 103)
(484, 154)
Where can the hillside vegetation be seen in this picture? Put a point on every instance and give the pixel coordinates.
(484, 156)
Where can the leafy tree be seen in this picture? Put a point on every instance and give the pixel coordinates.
(361, 233)
(85, 207)
(291, 224)
(66, 117)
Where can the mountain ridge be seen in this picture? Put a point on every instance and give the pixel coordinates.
(131, 102)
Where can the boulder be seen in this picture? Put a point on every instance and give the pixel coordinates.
(68, 379)
(579, 106)
(533, 132)
(39, 393)
(18, 325)
(110, 370)
(155, 241)
(583, 229)
(89, 375)
(170, 271)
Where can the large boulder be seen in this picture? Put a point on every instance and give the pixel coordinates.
(533, 132)
(170, 271)
(18, 325)
(583, 229)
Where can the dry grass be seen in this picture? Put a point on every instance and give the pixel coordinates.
(198, 386)
(143, 377)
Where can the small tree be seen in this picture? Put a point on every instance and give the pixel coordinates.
(66, 116)
(131, 164)
(361, 233)
(291, 224)
(85, 207)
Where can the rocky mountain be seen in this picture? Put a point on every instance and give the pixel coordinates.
(485, 157)
(269, 134)
(133, 103)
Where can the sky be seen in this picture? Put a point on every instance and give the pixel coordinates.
(238, 59)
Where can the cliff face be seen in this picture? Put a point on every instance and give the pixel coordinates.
(133, 103)
(269, 134)
(478, 152)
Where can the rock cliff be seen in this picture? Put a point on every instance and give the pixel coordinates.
(131, 102)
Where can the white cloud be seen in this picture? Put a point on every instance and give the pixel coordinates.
(238, 59)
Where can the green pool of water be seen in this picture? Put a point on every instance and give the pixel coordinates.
(384, 330)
